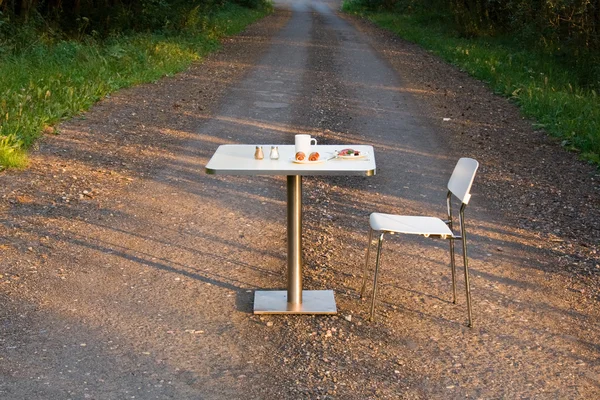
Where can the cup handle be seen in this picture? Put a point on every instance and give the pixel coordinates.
(311, 142)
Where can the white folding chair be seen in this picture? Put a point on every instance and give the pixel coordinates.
(459, 185)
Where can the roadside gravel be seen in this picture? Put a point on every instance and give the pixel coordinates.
(126, 272)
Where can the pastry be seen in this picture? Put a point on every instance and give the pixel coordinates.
(349, 152)
(300, 156)
(313, 156)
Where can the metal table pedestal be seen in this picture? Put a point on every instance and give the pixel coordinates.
(294, 300)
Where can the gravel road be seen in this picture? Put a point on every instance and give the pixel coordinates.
(127, 272)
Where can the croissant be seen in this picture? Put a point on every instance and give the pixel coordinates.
(300, 156)
(313, 156)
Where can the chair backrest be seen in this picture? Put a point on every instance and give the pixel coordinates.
(462, 178)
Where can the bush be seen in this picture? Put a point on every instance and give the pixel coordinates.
(46, 76)
(552, 87)
(103, 18)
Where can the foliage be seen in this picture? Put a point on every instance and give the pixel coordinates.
(108, 17)
(53, 78)
(569, 29)
(11, 153)
(545, 87)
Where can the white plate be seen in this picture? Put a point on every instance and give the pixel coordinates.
(352, 157)
(319, 161)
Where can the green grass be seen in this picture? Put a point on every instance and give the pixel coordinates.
(543, 87)
(45, 84)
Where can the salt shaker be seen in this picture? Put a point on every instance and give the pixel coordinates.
(258, 154)
(274, 153)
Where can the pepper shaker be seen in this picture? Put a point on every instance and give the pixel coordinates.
(274, 153)
(258, 154)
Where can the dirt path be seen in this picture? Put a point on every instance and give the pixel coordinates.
(127, 272)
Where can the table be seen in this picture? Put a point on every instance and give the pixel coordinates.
(238, 159)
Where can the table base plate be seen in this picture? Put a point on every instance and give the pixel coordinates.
(313, 302)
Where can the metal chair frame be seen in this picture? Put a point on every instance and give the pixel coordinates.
(462, 236)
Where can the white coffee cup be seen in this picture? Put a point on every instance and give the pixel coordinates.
(304, 144)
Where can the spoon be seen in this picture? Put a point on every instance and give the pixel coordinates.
(335, 155)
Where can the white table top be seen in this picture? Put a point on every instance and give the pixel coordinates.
(238, 159)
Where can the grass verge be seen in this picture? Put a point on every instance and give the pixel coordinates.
(48, 83)
(544, 88)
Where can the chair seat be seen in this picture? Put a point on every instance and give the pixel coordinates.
(409, 224)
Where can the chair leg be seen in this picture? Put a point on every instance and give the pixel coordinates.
(377, 262)
(364, 283)
(467, 285)
(453, 267)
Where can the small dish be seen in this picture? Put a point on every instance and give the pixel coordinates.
(349, 154)
(352, 157)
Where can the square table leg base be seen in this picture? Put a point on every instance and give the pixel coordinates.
(313, 302)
